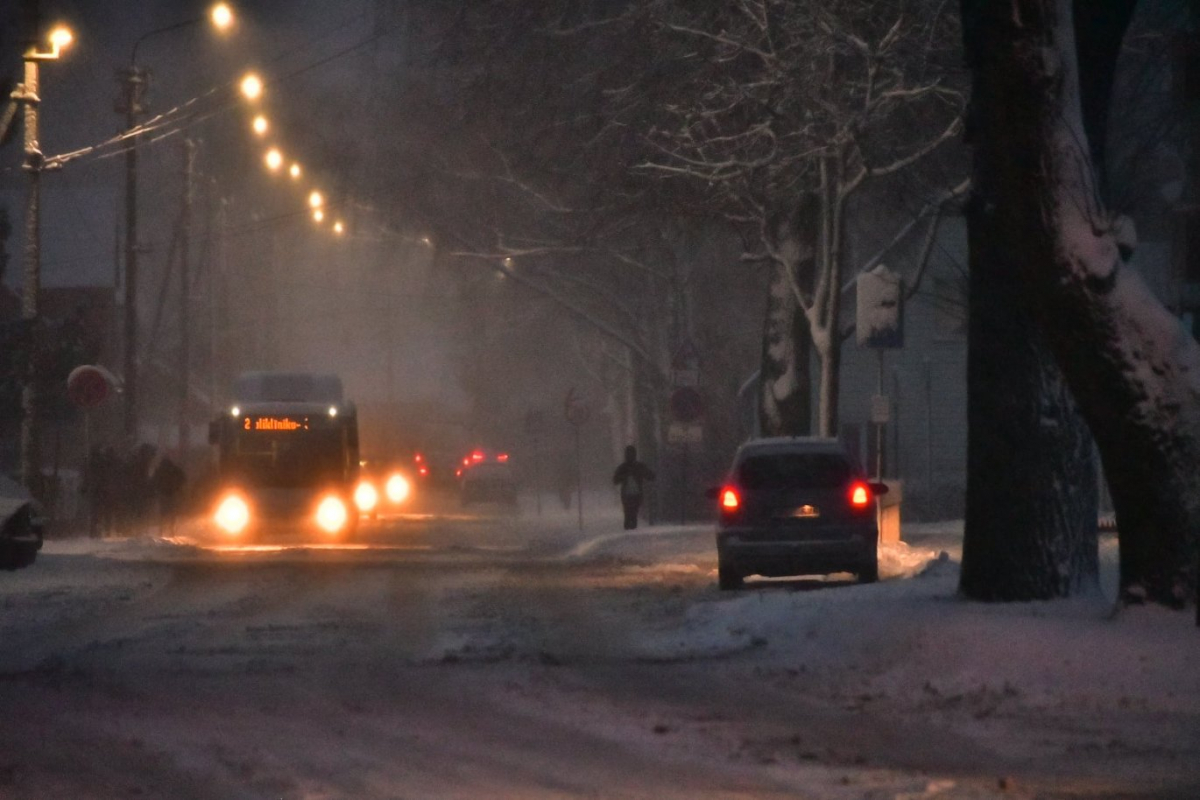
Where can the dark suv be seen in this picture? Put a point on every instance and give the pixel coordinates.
(796, 506)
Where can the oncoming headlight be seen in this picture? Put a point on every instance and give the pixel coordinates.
(397, 488)
(232, 515)
(331, 515)
(365, 497)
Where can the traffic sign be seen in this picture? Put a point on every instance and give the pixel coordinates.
(684, 433)
(881, 409)
(879, 317)
(575, 408)
(686, 404)
(89, 385)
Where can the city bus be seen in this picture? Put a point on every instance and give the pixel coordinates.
(287, 456)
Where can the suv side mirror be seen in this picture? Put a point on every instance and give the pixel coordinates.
(878, 488)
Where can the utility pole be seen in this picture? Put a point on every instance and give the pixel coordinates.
(216, 294)
(185, 246)
(34, 163)
(32, 284)
(134, 81)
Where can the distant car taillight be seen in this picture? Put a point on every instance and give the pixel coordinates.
(860, 495)
(730, 501)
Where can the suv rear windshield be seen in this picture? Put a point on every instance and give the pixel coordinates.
(794, 470)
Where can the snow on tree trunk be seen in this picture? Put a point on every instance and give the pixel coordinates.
(1132, 368)
(785, 407)
(785, 385)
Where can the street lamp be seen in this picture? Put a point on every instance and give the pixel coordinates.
(251, 86)
(260, 125)
(221, 16)
(315, 200)
(34, 163)
(273, 159)
(134, 80)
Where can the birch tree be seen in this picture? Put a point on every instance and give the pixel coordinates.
(787, 111)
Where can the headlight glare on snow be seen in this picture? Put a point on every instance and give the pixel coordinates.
(331, 514)
(233, 514)
(397, 488)
(366, 497)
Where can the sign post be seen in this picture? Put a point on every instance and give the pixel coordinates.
(87, 387)
(577, 412)
(879, 324)
(535, 426)
(687, 409)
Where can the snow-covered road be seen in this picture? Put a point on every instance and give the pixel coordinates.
(510, 657)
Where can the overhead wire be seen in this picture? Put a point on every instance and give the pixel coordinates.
(167, 118)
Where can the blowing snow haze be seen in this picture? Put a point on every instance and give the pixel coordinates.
(324, 330)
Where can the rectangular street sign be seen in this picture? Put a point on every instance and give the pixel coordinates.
(685, 377)
(684, 433)
(881, 409)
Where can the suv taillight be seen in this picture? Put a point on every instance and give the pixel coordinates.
(860, 495)
(730, 502)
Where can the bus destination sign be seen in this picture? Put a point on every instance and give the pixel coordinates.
(275, 424)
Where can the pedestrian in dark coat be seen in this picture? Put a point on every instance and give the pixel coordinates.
(631, 477)
(168, 482)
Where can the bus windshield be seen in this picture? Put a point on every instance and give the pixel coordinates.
(288, 459)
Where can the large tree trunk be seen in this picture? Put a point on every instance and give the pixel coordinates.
(1031, 480)
(1030, 528)
(1130, 365)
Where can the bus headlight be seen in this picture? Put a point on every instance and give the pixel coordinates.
(397, 488)
(365, 497)
(331, 515)
(233, 515)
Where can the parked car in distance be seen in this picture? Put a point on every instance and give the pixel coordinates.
(22, 525)
(795, 506)
(489, 482)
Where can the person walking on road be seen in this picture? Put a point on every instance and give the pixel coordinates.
(631, 476)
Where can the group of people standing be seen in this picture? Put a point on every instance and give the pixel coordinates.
(127, 490)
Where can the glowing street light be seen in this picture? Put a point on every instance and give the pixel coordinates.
(221, 16)
(339, 228)
(260, 125)
(315, 200)
(274, 159)
(294, 171)
(60, 38)
(318, 216)
(34, 163)
(252, 86)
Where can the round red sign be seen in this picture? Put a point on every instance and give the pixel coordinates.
(88, 385)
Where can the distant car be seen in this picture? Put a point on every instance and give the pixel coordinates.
(795, 506)
(382, 486)
(489, 482)
(22, 524)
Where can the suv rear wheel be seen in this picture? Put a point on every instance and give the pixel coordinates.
(727, 578)
(870, 572)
